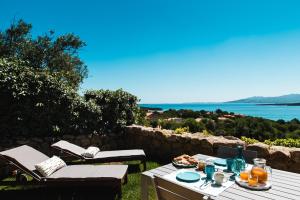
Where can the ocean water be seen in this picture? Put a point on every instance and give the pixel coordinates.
(269, 112)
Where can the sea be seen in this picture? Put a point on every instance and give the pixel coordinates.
(273, 112)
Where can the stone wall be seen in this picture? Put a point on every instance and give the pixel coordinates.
(44, 144)
(164, 145)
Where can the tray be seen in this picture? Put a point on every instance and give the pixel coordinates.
(182, 165)
(259, 187)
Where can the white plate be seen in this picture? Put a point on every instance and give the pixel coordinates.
(260, 186)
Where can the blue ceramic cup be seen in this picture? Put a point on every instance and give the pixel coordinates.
(209, 171)
(229, 163)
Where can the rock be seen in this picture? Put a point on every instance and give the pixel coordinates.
(206, 147)
(68, 138)
(5, 142)
(195, 141)
(37, 140)
(188, 149)
(261, 149)
(172, 138)
(156, 143)
(182, 139)
(221, 141)
(22, 142)
(177, 149)
(83, 141)
(229, 137)
(294, 167)
(279, 157)
(295, 154)
(96, 140)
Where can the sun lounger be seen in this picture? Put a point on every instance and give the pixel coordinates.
(24, 158)
(102, 156)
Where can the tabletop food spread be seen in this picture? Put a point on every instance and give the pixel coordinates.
(185, 161)
(213, 176)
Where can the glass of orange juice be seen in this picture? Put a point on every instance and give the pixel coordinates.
(261, 173)
(252, 181)
(244, 176)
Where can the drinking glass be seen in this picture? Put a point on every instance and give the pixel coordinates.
(201, 165)
(238, 166)
(209, 171)
(253, 181)
(244, 176)
(229, 163)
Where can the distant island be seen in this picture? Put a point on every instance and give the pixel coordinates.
(278, 104)
(286, 100)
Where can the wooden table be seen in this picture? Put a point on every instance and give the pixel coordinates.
(285, 185)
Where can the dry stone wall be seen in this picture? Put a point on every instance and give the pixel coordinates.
(164, 145)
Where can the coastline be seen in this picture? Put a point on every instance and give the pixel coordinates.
(278, 104)
(272, 112)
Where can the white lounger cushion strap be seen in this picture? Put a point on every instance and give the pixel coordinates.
(90, 152)
(48, 167)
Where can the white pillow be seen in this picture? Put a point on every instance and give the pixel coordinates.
(90, 152)
(48, 167)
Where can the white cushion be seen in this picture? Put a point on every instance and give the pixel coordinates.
(48, 167)
(90, 152)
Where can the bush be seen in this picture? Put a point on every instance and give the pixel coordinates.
(118, 108)
(181, 130)
(284, 142)
(249, 140)
(278, 142)
(193, 125)
(172, 125)
(34, 102)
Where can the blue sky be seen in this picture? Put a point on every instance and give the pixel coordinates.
(177, 51)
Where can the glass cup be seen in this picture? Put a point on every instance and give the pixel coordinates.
(252, 181)
(209, 171)
(201, 165)
(244, 176)
(238, 166)
(229, 163)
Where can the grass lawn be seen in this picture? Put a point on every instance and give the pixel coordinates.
(132, 190)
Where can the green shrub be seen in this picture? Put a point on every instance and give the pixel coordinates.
(193, 125)
(278, 142)
(118, 108)
(206, 133)
(284, 142)
(34, 102)
(172, 125)
(249, 140)
(181, 130)
(154, 123)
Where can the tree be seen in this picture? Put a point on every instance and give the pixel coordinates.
(118, 108)
(37, 104)
(57, 55)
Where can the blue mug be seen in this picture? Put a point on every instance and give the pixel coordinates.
(209, 171)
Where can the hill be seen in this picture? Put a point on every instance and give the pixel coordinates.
(284, 99)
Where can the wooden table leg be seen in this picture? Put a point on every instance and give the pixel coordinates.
(144, 187)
